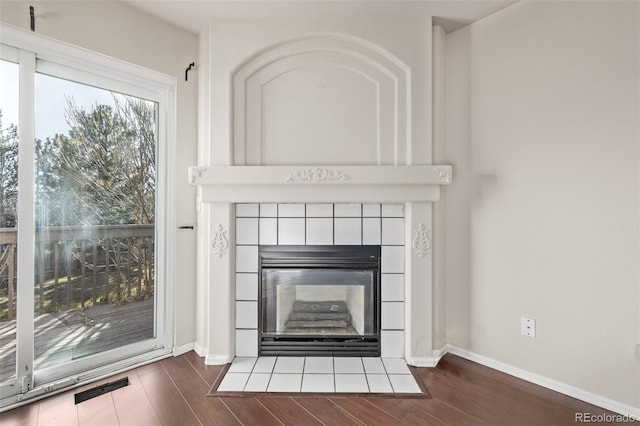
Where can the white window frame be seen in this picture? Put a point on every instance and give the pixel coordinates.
(37, 53)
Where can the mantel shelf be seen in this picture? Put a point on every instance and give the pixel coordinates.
(320, 183)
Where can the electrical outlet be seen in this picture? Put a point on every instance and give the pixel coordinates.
(638, 352)
(528, 327)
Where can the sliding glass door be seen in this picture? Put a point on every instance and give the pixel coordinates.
(9, 83)
(95, 175)
(79, 195)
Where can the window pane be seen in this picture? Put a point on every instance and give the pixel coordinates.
(8, 233)
(95, 216)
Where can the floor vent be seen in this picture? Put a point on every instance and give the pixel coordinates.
(101, 390)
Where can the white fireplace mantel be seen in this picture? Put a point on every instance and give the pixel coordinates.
(387, 184)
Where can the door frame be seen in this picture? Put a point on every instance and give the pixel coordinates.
(33, 51)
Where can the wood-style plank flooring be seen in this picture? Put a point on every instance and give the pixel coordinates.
(173, 392)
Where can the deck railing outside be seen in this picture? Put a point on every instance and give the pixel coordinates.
(81, 266)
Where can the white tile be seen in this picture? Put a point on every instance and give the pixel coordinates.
(371, 210)
(322, 364)
(285, 383)
(247, 314)
(392, 315)
(319, 231)
(268, 210)
(351, 365)
(247, 343)
(396, 366)
(392, 259)
(291, 210)
(348, 231)
(320, 383)
(242, 364)
(247, 286)
(373, 365)
(371, 231)
(352, 383)
(347, 210)
(246, 258)
(268, 232)
(393, 231)
(289, 364)
(246, 210)
(247, 230)
(264, 364)
(392, 287)
(393, 210)
(257, 382)
(319, 210)
(404, 383)
(392, 345)
(379, 383)
(291, 231)
(233, 382)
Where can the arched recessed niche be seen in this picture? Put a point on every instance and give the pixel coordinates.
(321, 99)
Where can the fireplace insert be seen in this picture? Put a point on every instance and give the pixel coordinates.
(319, 300)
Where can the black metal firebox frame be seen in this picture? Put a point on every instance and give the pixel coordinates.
(312, 257)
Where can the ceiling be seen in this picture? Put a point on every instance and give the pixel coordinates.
(193, 15)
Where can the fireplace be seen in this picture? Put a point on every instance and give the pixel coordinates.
(281, 141)
(319, 300)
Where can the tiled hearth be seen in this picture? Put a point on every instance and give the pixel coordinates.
(320, 224)
(319, 375)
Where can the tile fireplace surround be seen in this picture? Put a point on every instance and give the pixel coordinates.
(319, 224)
(242, 207)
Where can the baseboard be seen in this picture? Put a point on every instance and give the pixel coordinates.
(572, 391)
(428, 361)
(422, 361)
(199, 349)
(183, 349)
(439, 353)
(217, 359)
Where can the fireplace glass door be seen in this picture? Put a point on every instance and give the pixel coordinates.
(320, 300)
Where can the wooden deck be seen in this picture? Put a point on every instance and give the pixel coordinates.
(62, 337)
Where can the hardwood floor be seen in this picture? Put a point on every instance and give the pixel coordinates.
(173, 392)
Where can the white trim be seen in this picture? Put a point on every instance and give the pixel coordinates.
(199, 349)
(83, 59)
(183, 349)
(218, 359)
(97, 79)
(439, 353)
(423, 361)
(320, 184)
(165, 217)
(320, 175)
(9, 53)
(26, 228)
(591, 398)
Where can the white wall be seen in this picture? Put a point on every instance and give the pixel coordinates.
(543, 217)
(119, 31)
